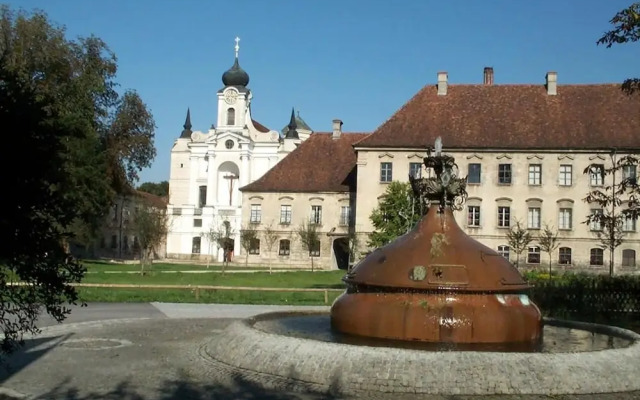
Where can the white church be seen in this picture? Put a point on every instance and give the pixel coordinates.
(207, 168)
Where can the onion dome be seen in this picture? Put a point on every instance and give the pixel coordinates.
(235, 76)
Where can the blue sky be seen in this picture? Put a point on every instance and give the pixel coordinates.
(357, 60)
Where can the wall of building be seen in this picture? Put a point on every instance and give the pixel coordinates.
(519, 195)
(330, 228)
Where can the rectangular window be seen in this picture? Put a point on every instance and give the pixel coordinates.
(177, 211)
(628, 258)
(256, 214)
(629, 172)
(103, 242)
(504, 217)
(533, 256)
(535, 174)
(565, 175)
(473, 216)
(285, 214)
(195, 245)
(565, 218)
(564, 256)
(533, 217)
(504, 174)
(114, 242)
(314, 251)
(345, 213)
(595, 225)
(596, 175)
(125, 242)
(197, 223)
(596, 257)
(475, 170)
(254, 246)
(386, 172)
(202, 198)
(115, 212)
(316, 215)
(629, 224)
(415, 170)
(284, 248)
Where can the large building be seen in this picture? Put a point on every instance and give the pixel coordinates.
(207, 168)
(314, 188)
(523, 149)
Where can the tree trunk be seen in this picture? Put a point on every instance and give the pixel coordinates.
(311, 263)
(549, 265)
(141, 262)
(246, 260)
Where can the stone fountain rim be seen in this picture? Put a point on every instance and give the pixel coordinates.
(279, 361)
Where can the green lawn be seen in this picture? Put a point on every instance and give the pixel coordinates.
(290, 279)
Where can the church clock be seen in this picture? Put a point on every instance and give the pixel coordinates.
(230, 96)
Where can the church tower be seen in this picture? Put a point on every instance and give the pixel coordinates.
(234, 98)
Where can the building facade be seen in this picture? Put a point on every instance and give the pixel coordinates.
(208, 168)
(312, 189)
(524, 150)
(117, 238)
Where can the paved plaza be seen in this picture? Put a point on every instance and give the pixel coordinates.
(152, 351)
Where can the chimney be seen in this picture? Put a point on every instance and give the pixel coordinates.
(488, 76)
(337, 129)
(442, 83)
(552, 83)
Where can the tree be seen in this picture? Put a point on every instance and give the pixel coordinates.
(57, 96)
(626, 29)
(248, 236)
(220, 235)
(518, 239)
(610, 217)
(271, 237)
(549, 242)
(150, 227)
(310, 239)
(397, 214)
(159, 189)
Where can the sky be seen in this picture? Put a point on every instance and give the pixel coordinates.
(356, 60)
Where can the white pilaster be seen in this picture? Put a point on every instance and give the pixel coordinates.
(193, 175)
(244, 171)
(211, 176)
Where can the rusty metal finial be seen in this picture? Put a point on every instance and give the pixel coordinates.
(445, 188)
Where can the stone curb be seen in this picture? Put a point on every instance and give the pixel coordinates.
(300, 364)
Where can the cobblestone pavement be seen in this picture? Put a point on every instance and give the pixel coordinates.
(151, 358)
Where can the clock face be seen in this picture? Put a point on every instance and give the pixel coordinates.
(230, 96)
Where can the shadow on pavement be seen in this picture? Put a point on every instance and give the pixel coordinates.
(32, 350)
(180, 389)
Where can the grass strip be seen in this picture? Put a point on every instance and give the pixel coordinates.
(116, 295)
(299, 279)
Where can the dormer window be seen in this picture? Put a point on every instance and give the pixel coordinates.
(231, 116)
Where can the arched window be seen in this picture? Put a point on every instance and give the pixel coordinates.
(628, 258)
(503, 250)
(597, 257)
(564, 255)
(285, 247)
(533, 256)
(195, 245)
(231, 116)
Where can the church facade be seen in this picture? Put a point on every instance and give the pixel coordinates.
(208, 168)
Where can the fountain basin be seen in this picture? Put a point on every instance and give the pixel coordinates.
(278, 361)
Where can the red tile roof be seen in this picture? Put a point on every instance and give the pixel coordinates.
(152, 200)
(319, 164)
(514, 117)
(259, 126)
